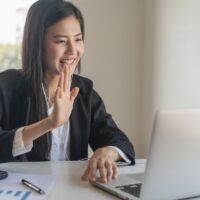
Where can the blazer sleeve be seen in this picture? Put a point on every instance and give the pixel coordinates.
(104, 131)
(12, 94)
(6, 140)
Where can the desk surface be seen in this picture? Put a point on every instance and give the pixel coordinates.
(68, 183)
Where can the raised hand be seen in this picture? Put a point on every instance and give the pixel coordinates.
(64, 99)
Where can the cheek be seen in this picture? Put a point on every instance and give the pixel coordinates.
(52, 51)
(81, 51)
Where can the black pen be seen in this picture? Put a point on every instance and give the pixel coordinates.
(30, 185)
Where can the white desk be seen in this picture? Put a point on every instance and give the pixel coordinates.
(68, 184)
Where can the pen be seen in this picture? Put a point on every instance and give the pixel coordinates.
(30, 185)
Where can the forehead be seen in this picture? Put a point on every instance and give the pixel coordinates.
(68, 25)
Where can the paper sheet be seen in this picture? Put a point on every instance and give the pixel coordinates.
(11, 188)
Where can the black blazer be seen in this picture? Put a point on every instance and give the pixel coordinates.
(89, 121)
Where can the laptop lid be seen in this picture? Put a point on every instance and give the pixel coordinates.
(173, 167)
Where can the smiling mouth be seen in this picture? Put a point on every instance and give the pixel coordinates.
(67, 61)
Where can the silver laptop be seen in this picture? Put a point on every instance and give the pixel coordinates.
(173, 165)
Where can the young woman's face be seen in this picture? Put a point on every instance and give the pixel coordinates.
(63, 44)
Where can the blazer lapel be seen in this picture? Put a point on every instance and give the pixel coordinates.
(79, 130)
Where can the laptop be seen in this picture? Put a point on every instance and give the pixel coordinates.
(173, 164)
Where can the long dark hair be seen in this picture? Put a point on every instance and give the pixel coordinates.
(41, 15)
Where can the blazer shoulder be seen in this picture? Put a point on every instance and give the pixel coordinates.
(10, 77)
(85, 84)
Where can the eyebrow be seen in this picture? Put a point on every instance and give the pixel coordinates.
(59, 36)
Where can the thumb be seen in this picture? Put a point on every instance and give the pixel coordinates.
(86, 175)
(74, 93)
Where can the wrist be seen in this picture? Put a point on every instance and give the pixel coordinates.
(34, 131)
(49, 123)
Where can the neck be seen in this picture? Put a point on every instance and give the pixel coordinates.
(50, 85)
(51, 81)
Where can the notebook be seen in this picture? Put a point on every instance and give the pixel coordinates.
(11, 188)
(173, 164)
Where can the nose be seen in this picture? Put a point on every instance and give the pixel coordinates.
(70, 48)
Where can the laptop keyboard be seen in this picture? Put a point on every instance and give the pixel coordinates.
(133, 189)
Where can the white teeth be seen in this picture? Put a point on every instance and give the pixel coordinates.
(67, 61)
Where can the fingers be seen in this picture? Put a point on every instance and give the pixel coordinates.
(74, 93)
(65, 83)
(86, 174)
(60, 85)
(107, 170)
(90, 172)
(103, 171)
(67, 78)
(57, 95)
(115, 172)
(63, 90)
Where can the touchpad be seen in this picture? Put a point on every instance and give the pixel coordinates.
(139, 177)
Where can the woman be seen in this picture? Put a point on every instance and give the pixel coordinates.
(46, 111)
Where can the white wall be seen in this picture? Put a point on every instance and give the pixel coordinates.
(171, 74)
(142, 55)
(113, 58)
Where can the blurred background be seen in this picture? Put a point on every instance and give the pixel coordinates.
(143, 55)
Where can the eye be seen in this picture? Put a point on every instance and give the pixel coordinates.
(79, 39)
(61, 41)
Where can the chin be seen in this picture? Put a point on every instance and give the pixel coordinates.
(61, 69)
(57, 71)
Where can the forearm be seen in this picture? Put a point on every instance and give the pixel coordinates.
(34, 131)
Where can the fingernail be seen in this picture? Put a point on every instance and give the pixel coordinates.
(93, 179)
(114, 177)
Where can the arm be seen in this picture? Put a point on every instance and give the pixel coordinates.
(105, 133)
(6, 138)
(63, 104)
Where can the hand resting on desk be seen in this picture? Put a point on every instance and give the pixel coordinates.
(103, 160)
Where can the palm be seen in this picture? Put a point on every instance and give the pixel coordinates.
(64, 99)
